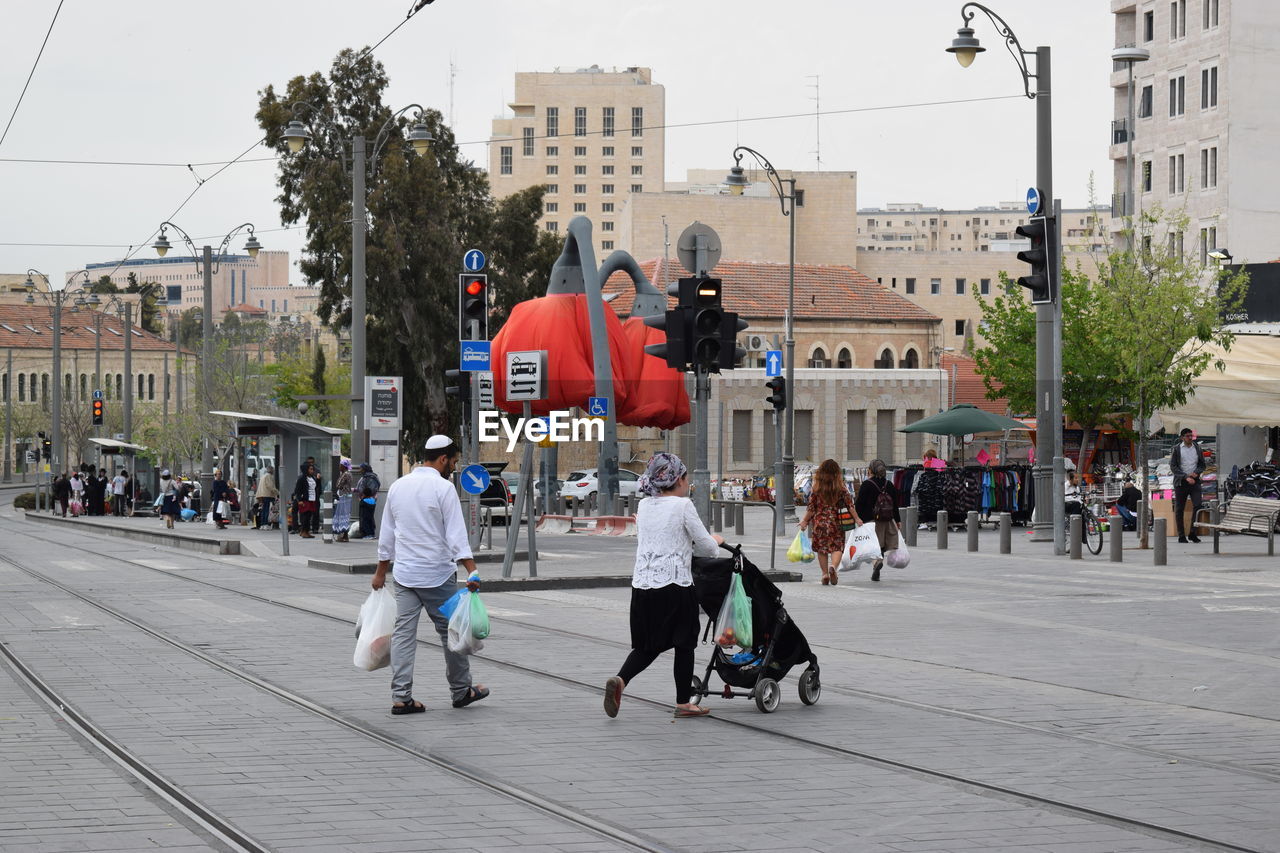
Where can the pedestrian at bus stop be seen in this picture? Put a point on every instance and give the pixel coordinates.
(62, 492)
(664, 604)
(342, 502)
(118, 485)
(306, 494)
(423, 541)
(367, 493)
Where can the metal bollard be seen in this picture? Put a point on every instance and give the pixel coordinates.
(739, 520)
(1075, 533)
(971, 527)
(1161, 536)
(1116, 534)
(1141, 518)
(942, 530)
(1006, 533)
(910, 523)
(575, 507)
(717, 516)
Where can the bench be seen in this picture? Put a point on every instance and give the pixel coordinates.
(1252, 516)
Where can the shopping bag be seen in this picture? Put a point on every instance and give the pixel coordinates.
(479, 617)
(460, 637)
(374, 627)
(899, 558)
(861, 545)
(733, 625)
(76, 508)
(801, 550)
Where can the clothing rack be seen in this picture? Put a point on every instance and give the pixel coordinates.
(988, 489)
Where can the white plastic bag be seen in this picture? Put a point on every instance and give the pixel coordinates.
(898, 559)
(461, 638)
(374, 627)
(861, 545)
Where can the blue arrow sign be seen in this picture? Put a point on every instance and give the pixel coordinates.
(97, 393)
(1034, 201)
(598, 407)
(474, 355)
(773, 362)
(475, 479)
(473, 260)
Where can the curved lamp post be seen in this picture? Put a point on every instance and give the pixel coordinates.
(297, 135)
(209, 264)
(785, 188)
(1049, 494)
(56, 299)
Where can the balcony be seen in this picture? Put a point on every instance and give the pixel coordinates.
(1119, 131)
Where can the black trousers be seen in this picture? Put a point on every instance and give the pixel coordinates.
(1181, 491)
(366, 519)
(639, 659)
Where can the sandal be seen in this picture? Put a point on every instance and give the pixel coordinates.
(410, 707)
(613, 695)
(826, 579)
(691, 711)
(474, 694)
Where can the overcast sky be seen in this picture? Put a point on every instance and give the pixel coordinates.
(177, 82)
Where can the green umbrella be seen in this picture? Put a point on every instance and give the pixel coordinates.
(963, 419)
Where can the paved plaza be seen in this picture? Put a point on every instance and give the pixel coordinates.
(970, 702)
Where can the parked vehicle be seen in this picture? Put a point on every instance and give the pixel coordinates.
(581, 485)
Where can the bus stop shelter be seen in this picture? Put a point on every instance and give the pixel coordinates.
(289, 441)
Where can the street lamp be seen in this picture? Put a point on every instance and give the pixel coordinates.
(209, 265)
(1049, 493)
(1221, 255)
(297, 136)
(737, 182)
(56, 299)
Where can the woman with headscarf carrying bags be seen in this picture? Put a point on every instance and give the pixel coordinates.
(878, 502)
(664, 604)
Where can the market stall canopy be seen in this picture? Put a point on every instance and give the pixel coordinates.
(110, 445)
(1245, 393)
(963, 419)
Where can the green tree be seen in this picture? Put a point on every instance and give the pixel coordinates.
(191, 328)
(424, 213)
(1165, 310)
(148, 309)
(104, 284)
(318, 383)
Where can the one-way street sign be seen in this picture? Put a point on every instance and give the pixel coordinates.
(773, 363)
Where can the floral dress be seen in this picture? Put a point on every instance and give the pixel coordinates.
(824, 525)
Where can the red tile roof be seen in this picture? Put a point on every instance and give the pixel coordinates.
(17, 322)
(246, 308)
(968, 384)
(757, 289)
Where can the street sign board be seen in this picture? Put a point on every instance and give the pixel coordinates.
(473, 260)
(598, 407)
(1034, 201)
(773, 362)
(474, 479)
(383, 405)
(97, 393)
(485, 378)
(475, 355)
(526, 376)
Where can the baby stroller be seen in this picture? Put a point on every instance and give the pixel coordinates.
(778, 644)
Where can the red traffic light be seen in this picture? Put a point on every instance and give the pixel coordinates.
(475, 286)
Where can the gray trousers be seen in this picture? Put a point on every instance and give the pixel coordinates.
(410, 601)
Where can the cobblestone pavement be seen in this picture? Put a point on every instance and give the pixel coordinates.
(965, 700)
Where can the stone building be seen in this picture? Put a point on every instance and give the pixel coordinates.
(592, 136)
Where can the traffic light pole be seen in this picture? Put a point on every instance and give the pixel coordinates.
(702, 400)
(1047, 332)
(473, 442)
(8, 416)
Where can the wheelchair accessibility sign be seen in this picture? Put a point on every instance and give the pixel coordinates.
(598, 407)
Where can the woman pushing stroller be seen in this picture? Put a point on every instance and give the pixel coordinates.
(664, 604)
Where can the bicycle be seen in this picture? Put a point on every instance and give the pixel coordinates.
(1090, 529)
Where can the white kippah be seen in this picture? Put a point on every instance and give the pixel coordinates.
(438, 441)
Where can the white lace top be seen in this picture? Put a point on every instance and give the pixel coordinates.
(668, 535)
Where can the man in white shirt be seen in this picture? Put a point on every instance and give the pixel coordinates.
(424, 535)
(1187, 464)
(117, 492)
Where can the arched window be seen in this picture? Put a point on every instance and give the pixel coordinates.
(5, 394)
(819, 357)
(141, 382)
(84, 386)
(912, 360)
(151, 386)
(35, 398)
(844, 358)
(119, 386)
(22, 387)
(885, 362)
(68, 385)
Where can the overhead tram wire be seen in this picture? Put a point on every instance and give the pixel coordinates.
(673, 126)
(34, 65)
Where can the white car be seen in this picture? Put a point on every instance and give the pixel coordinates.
(582, 484)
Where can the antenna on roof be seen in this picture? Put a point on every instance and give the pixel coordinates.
(816, 85)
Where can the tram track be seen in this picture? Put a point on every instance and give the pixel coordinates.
(1023, 797)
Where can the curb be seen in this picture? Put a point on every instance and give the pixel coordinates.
(369, 567)
(168, 540)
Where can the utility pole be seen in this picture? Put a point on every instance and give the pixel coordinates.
(128, 372)
(359, 436)
(206, 362)
(8, 416)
